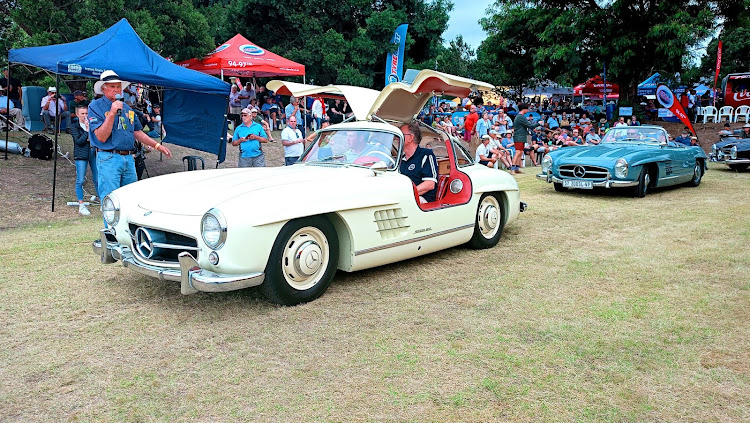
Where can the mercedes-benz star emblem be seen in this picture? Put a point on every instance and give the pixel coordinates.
(579, 171)
(312, 258)
(143, 243)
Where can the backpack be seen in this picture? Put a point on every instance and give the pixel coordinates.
(40, 147)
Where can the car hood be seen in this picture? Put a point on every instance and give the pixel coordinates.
(194, 193)
(602, 154)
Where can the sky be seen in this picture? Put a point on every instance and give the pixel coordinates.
(463, 20)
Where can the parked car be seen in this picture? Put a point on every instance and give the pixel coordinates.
(635, 157)
(732, 151)
(289, 229)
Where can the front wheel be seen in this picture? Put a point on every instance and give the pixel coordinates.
(559, 187)
(489, 223)
(644, 180)
(303, 261)
(697, 174)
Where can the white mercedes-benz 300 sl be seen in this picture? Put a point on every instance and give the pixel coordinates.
(344, 206)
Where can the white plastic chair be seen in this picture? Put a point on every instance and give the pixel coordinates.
(698, 112)
(710, 112)
(742, 112)
(725, 111)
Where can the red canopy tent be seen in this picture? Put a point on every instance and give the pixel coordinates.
(240, 57)
(594, 87)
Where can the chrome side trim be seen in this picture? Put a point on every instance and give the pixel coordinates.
(410, 241)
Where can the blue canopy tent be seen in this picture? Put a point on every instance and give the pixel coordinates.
(194, 106)
(648, 87)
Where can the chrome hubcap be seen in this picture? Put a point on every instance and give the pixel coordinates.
(489, 217)
(305, 258)
(697, 173)
(646, 182)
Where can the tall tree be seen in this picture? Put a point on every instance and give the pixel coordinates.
(341, 41)
(734, 32)
(569, 40)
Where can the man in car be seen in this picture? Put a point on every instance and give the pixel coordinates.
(419, 164)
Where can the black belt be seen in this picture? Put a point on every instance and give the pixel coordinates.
(120, 152)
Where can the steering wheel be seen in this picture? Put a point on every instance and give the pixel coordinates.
(372, 158)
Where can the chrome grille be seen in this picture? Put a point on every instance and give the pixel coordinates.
(583, 172)
(160, 246)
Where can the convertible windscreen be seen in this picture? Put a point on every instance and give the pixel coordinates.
(358, 147)
(635, 134)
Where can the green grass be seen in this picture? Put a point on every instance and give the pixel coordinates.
(593, 307)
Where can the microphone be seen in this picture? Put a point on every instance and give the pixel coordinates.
(118, 97)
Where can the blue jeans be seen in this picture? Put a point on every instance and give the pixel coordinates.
(288, 161)
(115, 171)
(81, 176)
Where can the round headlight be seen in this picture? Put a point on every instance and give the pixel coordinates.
(621, 168)
(713, 148)
(546, 163)
(733, 152)
(214, 229)
(111, 210)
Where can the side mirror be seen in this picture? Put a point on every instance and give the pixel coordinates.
(378, 167)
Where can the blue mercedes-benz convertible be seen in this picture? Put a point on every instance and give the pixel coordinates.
(635, 157)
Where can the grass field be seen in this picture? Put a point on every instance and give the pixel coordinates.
(593, 307)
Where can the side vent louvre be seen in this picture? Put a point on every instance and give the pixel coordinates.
(391, 223)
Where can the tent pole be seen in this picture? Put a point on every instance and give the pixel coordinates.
(304, 81)
(54, 128)
(7, 111)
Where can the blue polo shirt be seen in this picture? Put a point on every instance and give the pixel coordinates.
(249, 148)
(422, 166)
(122, 137)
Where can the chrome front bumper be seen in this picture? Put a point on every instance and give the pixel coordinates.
(736, 161)
(190, 275)
(609, 183)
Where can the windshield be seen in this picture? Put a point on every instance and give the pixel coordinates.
(358, 147)
(635, 134)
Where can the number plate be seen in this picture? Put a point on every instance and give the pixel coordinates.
(574, 183)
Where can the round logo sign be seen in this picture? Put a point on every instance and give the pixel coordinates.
(252, 50)
(220, 48)
(412, 166)
(665, 96)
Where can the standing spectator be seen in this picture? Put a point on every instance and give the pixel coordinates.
(13, 91)
(113, 131)
(292, 140)
(53, 105)
(255, 114)
(520, 136)
(470, 123)
(6, 106)
(248, 137)
(235, 105)
(292, 109)
(79, 99)
(692, 99)
(246, 94)
(483, 125)
(318, 111)
(84, 154)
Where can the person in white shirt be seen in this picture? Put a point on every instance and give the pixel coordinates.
(317, 113)
(52, 106)
(293, 142)
(6, 105)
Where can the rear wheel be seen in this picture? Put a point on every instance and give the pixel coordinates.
(559, 187)
(644, 180)
(303, 261)
(697, 174)
(489, 223)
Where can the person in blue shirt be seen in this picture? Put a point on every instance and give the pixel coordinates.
(419, 164)
(113, 131)
(684, 138)
(248, 137)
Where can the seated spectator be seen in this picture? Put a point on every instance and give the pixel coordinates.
(575, 139)
(538, 145)
(603, 124)
(79, 99)
(633, 121)
(592, 138)
(54, 105)
(621, 122)
(727, 131)
(694, 141)
(483, 154)
(447, 125)
(15, 113)
(552, 122)
(508, 144)
(684, 138)
(153, 120)
(270, 111)
(584, 121)
(497, 148)
(565, 121)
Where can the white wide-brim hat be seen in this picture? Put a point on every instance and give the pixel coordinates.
(107, 77)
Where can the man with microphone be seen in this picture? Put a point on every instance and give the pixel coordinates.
(113, 129)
